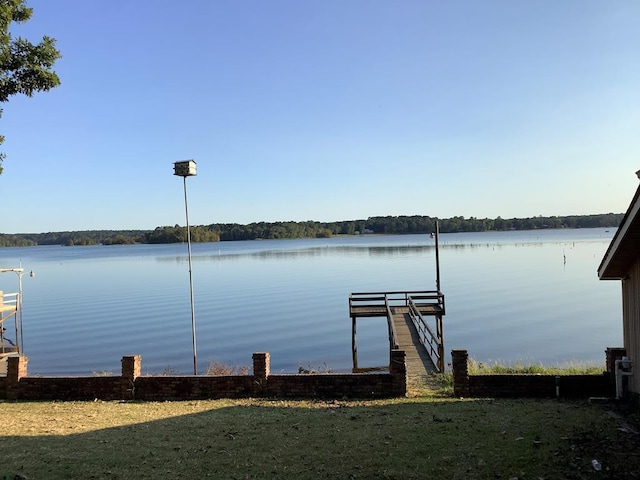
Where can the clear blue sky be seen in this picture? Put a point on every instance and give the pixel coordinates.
(324, 110)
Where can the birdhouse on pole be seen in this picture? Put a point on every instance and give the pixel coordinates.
(186, 168)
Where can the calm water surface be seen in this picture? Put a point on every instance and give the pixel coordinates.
(510, 296)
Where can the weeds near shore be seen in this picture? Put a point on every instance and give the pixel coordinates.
(496, 368)
(168, 371)
(222, 369)
(212, 369)
(324, 368)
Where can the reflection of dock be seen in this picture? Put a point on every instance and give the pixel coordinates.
(414, 321)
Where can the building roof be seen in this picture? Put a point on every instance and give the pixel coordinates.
(624, 249)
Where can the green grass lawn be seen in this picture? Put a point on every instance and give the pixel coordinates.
(408, 438)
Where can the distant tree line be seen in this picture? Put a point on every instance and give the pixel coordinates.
(272, 231)
(420, 224)
(15, 241)
(85, 237)
(178, 234)
(309, 229)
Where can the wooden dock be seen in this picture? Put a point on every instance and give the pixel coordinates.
(408, 317)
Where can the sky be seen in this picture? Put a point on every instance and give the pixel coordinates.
(324, 110)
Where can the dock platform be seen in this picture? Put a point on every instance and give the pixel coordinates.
(414, 320)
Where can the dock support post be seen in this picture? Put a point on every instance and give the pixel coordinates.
(440, 333)
(354, 346)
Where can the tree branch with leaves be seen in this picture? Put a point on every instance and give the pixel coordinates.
(25, 68)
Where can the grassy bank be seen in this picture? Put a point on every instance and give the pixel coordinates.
(528, 368)
(422, 437)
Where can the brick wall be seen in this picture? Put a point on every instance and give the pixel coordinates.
(568, 386)
(193, 387)
(539, 386)
(330, 385)
(71, 388)
(131, 385)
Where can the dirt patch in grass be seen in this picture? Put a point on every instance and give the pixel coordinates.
(600, 451)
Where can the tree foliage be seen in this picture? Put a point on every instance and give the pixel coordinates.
(85, 237)
(178, 234)
(389, 225)
(25, 67)
(15, 241)
(272, 231)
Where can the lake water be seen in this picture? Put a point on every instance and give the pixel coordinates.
(510, 296)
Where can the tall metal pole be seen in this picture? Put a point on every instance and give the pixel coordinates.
(193, 316)
(439, 326)
(437, 257)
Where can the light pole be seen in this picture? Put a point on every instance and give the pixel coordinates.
(184, 169)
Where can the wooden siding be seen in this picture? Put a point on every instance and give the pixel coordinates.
(631, 322)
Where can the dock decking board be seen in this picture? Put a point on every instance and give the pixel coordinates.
(381, 311)
(417, 360)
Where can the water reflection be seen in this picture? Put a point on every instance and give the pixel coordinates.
(315, 252)
(509, 296)
(348, 251)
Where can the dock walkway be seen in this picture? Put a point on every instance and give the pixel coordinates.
(408, 315)
(419, 363)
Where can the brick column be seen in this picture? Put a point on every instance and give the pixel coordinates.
(261, 365)
(460, 366)
(613, 354)
(16, 369)
(131, 368)
(398, 371)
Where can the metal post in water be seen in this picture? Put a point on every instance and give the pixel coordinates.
(439, 326)
(437, 257)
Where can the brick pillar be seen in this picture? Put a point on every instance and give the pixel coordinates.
(460, 366)
(131, 368)
(261, 371)
(398, 371)
(16, 369)
(613, 354)
(261, 365)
